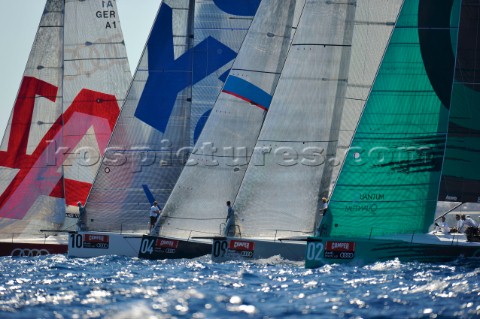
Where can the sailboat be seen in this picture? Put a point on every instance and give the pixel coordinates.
(186, 60)
(76, 77)
(196, 208)
(320, 92)
(384, 201)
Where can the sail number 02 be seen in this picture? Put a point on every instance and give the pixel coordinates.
(314, 251)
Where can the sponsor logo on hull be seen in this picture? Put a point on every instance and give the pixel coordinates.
(232, 249)
(28, 252)
(96, 241)
(155, 248)
(339, 250)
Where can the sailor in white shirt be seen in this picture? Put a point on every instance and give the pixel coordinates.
(468, 222)
(459, 225)
(442, 226)
(154, 213)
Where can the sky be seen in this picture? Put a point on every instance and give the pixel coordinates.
(19, 21)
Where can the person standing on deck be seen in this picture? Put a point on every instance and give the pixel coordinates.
(81, 217)
(154, 213)
(230, 221)
(325, 205)
(458, 225)
(323, 210)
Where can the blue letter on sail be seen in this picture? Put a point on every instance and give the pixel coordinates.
(167, 76)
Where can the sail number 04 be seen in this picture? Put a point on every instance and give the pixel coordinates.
(314, 251)
(147, 245)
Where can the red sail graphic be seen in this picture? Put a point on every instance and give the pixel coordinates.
(39, 173)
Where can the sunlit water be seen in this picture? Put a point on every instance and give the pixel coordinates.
(118, 287)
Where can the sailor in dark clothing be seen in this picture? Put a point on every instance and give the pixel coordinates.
(230, 221)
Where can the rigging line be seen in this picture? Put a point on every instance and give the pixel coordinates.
(450, 210)
(193, 230)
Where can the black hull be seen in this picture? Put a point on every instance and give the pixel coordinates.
(154, 248)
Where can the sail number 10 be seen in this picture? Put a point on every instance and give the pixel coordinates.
(76, 240)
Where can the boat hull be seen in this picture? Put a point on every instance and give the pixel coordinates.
(327, 250)
(233, 248)
(153, 248)
(95, 244)
(21, 249)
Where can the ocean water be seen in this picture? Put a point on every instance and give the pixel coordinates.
(117, 287)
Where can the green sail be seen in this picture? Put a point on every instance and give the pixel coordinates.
(461, 172)
(390, 178)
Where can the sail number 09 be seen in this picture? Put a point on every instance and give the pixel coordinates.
(219, 248)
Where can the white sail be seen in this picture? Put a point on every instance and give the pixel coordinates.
(96, 78)
(40, 96)
(282, 194)
(307, 118)
(374, 22)
(190, 50)
(48, 128)
(215, 171)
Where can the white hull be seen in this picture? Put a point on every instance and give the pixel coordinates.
(95, 244)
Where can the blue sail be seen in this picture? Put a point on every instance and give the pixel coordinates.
(191, 48)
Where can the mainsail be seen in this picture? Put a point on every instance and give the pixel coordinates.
(185, 62)
(216, 169)
(389, 180)
(76, 76)
(280, 197)
(373, 25)
(461, 173)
